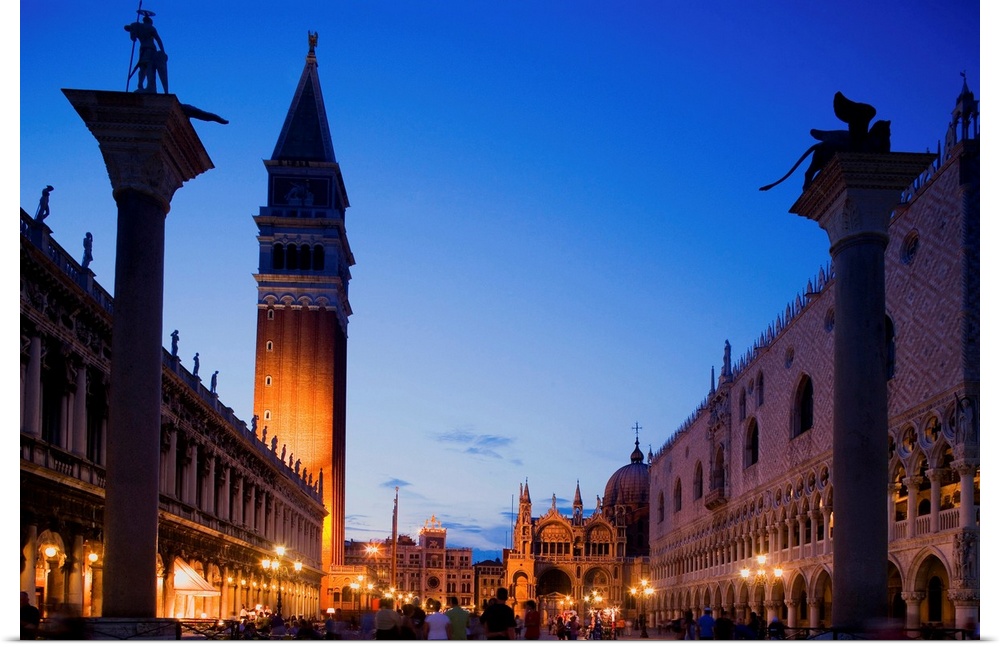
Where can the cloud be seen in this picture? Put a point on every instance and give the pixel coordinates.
(394, 483)
(479, 451)
(485, 445)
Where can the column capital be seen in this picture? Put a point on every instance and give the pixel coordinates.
(855, 192)
(936, 474)
(148, 143)
(966, 467)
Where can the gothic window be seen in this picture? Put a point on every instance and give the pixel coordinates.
(305, 257)
(278, 257)
(270, 344)
(751, 449)
(909, 247)
(270, 314)
(698, 479)
(678, 500)
(743, 405)
(719, 469)
(802, 417)
(660, 507)
(267, 381)
(760, 389)
(319, 260)
(292, 257)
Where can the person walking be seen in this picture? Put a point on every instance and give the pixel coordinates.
(689, 628)
(706, 625)
(31, 617)
(532, 621)
(724, 627)
(498, 619)
(386, 621)
(459, 619)
(437, 626)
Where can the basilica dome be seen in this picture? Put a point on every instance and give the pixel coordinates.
(629, 486)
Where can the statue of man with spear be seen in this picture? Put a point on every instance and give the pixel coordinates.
(152, 61)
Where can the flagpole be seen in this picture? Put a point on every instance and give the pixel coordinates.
(131, 57)
(395, 519)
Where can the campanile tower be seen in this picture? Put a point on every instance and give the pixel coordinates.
(300, 384)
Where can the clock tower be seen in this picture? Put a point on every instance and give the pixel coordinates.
(300, 383)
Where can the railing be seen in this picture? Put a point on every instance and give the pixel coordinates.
(43, 454)
(210, 629)
(948, 519)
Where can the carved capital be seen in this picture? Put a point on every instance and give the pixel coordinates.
(964, 597)
(912, 596)
(855, 192)
(935, 475)
(966, 468)
(148, 143)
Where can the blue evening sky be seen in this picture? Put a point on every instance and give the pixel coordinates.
(555, 211)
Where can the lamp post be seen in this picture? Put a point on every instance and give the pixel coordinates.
(646, 591)
(594, 600)
(355, 587)
(759, 576)
(277, 568)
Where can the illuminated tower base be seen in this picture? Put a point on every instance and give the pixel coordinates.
(300, 386)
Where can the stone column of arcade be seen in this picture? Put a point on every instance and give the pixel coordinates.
(150, 149)
(852, 199)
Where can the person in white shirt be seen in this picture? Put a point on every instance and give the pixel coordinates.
(437, 626)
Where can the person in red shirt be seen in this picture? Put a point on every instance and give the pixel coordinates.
(532, 621)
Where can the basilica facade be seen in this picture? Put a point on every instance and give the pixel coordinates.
(584, 565)
(744, 497)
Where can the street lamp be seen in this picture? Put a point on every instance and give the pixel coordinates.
(594, 600)
(645, 590)
(355, 587)
(760, 574)
(277, 568)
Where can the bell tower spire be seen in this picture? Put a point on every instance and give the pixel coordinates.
(302, 300)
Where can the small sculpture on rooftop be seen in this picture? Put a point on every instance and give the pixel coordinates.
(43, 204)
(197, 365)
(856, 139)
(175, 337)
(88, 250)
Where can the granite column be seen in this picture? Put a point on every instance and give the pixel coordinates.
(150, 149)
(852, 199)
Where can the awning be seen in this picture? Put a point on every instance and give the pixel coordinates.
(187, 581)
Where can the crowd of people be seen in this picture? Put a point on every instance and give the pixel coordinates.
(261, 622)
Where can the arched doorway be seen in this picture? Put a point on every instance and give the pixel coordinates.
(932, 580)
(897, 606)
(554, 591)
(824, 594)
